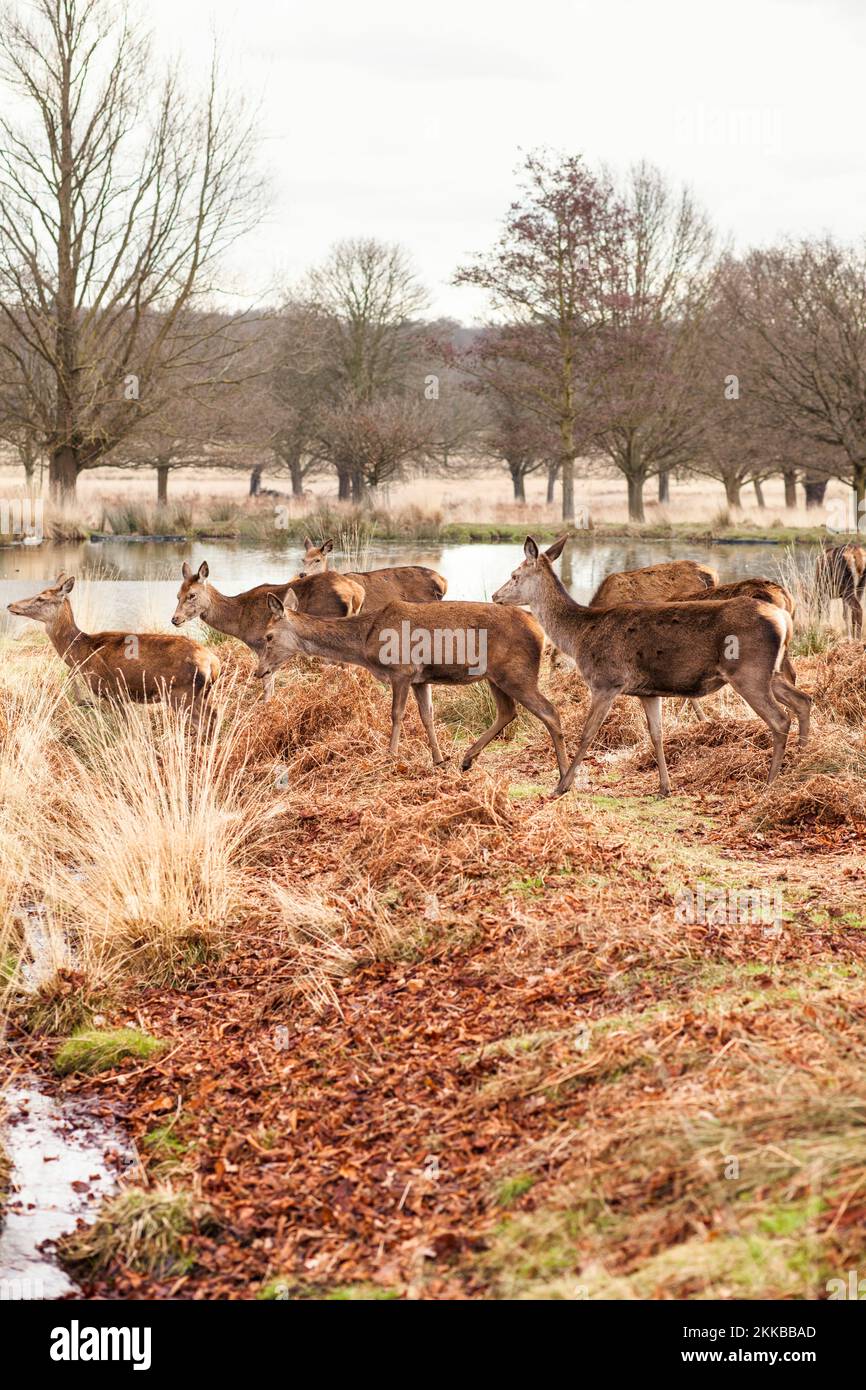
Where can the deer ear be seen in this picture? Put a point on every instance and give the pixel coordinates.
(67, 586)
(308, 544)
(275, 606)
(186, 571)
(530, 549)
(554, 551)
(203, 570)
(327, 546)
(290, 603)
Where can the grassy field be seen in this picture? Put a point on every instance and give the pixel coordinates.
(380, 1031)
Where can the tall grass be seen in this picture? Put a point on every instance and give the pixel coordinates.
(127, 838)
(817, 624)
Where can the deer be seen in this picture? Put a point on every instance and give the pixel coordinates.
(686, 579)
(245, 615)
(672, 579)
(654, 650)
(401, 583)
(413, 646)
(840, 572)
(140, 667)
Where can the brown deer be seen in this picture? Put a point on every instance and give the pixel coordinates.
(399, 584)
(672, 579)
(144, 666)
(840, 572)
(246, 615)
(411, 646)
(686, 579)
(654, 650)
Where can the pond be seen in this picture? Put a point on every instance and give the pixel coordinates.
(133, 584)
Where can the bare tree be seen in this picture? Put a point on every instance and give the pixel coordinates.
(805, 305)
(642, 360)
(370, 291)
(552, 276)
(371, 442)
(117, 201)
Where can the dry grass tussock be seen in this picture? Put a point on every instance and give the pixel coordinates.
(126, 839)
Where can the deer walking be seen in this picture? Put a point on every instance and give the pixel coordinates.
(246, 615)
(686, 579)
(141, 667)
(840, 572)
(401, 583)
(413, 646)
(657, 650)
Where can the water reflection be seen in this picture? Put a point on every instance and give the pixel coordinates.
(150, 572)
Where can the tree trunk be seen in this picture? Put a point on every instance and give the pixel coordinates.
(635, 497)
(255, 481)
(357, 487)
(344, 484)
(161, 483)
(759, 492)
(297, 476)
(790, 478)
(63, 472)
(552, 474)
(567, 476)
(517, 482)
(664, 486)
(732, 491)
(859, 486)
(815, 489)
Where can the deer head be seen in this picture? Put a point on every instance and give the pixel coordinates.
(315, 559)
(193, 596)
(46, 606)
(524, 586)
(281, 641)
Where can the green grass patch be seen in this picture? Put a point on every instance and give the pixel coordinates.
(92, 1050)
(148, 1231)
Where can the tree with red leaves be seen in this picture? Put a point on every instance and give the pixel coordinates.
(553, 277)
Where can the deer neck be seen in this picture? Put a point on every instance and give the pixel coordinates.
(71, 644)
(557, 612)
(225, 614)
(332, 639)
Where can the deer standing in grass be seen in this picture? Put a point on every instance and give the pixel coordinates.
(686, 579)
(398, 645)
(141, 667)
(840, 572)
(401, 583)
(246, 615)
(655, 650)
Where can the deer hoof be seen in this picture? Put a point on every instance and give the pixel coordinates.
(466, 764)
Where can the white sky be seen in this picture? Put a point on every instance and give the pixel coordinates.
(404, 121)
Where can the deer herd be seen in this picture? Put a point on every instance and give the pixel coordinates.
(664, 631)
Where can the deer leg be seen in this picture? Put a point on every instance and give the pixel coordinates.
(268, 687)
(854, 610)
(695, 707)
(598, 712)
(399, 696)
(797, 700)
(505, 712)
(424, 701)
(776, 720)
(652, 708)
(543, 709)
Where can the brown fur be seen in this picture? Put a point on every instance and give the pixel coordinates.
(673, 579)
(653, 650)
(513, 655)
(142, 667)
(841, 572)
(246, 615)
(401, 583)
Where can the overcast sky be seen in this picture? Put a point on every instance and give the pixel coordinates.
(405, 121)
